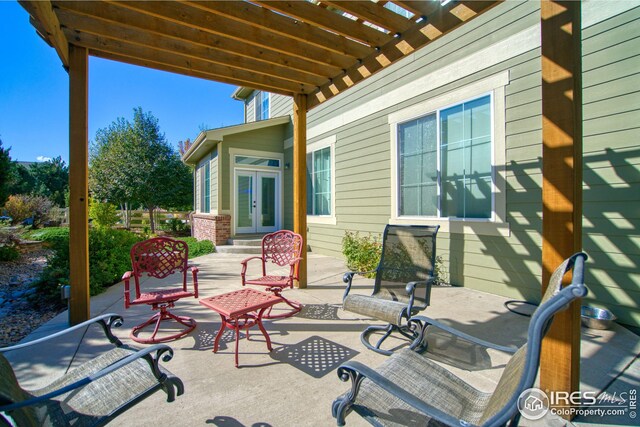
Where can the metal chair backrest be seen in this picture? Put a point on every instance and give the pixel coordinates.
(281, 247)
(408, 255)
(159, 257)
(521, 371)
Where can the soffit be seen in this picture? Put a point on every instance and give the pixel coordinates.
(317, 48)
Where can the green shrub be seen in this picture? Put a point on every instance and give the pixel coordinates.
(103, 215)
(21, 206)
(108, 259)
(174, 226)
(361, 253)
(198, 247)
(9, 244)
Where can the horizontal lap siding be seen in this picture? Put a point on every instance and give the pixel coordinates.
(503, 265)
(611, 81)
(280, 105)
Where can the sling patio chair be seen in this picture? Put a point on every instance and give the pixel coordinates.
(411, 389)
(280, 249)
(403, 281)
(159, 258)
(93, 393)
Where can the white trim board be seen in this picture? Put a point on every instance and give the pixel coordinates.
(501, 51)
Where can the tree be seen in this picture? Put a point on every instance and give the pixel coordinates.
(51, 179)
(132, 162)
(5, 165)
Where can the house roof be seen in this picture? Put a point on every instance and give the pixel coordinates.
(206, 140)
(318, 48)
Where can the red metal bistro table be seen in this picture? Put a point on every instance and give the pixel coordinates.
(241, 310)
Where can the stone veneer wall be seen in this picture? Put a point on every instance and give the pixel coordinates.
(216, 228)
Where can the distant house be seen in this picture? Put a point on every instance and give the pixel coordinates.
(449, 135)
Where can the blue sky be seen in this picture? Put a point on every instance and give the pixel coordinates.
(34, 99)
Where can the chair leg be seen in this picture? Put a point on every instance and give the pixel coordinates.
(364, 337)
(158, 318)
(295, 306)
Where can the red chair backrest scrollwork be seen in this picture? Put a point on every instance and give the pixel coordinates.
(281, 247)
(159, 257)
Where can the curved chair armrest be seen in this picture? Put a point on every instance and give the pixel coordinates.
(411, 288)
(144, 353)
(356, 372)
(107, 321)
(127, 295)
(246, 260)
(426, 321)
(294, 261)
(348, 278)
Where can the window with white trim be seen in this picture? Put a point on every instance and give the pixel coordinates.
(445, 165)
(319, 182)
(262, 105)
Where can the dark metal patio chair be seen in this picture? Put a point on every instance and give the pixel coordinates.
(410, 389)
(403, 281)
(280, 249)
(160, 257)
(93, 393)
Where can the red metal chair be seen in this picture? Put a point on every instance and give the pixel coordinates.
(282, 248)
(160, 257)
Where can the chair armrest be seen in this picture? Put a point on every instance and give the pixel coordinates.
(244, 261)
(244, 266)
(426, 321)
(145, 353)
(411, 287)
(348, 278)
(107, 321)
(127, 295)
(295, 261)
(356, 372)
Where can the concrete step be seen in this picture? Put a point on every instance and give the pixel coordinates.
(236, 249)
(244, 242)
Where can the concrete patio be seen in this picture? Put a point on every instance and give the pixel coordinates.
(295, 384)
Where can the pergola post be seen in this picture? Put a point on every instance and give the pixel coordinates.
(300, 179)
(562, 181)
(78, 185)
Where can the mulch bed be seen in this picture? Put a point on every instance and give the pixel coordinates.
(22, 310)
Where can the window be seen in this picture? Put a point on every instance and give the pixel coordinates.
(319, 182)
(206, 183)
(262, 105)
(445, 162)
(257, 161)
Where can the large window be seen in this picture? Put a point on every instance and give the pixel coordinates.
(445, 162)
(262, 105)
(319, 182)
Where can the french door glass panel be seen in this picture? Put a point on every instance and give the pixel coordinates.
(257, 201)
(245, 201)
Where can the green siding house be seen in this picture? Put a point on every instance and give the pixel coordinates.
(450, 135)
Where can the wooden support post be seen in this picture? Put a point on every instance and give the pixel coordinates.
(78, 185)
(300, 178)
(562, 181)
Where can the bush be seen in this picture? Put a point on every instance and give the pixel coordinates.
(21, 207)
(49, 235)
(108, 259)
(103, 215)
(9, 244)
(174, 225)
(198, 247)
(361, 253)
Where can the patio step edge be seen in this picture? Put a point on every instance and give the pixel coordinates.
(244, 242)
(236, 249)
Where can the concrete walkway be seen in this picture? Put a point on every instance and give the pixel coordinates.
(295, 384)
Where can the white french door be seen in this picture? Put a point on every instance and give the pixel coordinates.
(257, 201)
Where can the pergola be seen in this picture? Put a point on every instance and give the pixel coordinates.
(313, 51)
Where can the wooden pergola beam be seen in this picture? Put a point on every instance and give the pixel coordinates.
(177, 61)
(197, 18)
(49, 28)
(374, 13)
(438, 23)
(329, 20)
(157, 26)
(142, 38)
(78, 184)
(562, 181)
(266, 19)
